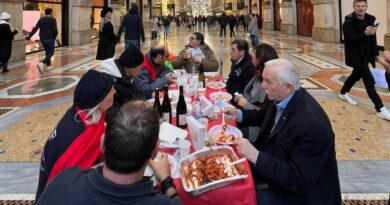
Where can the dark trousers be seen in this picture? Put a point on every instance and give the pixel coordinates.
(154, 35)
(369, 82)
(48, 45)
(387, 75)
(223, 28)
(262, 197)
(231, 27)
(4, 66)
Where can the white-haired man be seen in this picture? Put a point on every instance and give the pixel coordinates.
(294, 152)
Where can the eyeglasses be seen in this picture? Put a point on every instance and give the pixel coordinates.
(192, 38)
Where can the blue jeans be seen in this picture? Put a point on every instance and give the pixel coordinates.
(48, 45)
(262, 197)
(132, 42)
(255, 40)
(166, 30)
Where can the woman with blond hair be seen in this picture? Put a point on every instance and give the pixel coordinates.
(75, 141)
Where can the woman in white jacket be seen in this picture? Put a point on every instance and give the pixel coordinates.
(154, 26)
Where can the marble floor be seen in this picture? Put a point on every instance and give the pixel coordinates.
(31, 104)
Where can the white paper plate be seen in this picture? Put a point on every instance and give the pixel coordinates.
(216, 85)
(230, 130)
(221, 95)
(169, 134)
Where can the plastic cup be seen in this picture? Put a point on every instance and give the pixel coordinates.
(201, 91)
(204, 121)
(184, 147)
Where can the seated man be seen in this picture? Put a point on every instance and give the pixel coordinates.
(128, 147)
(294, 152)
(242, 70)
(385, 62)
(196, 53)
(124, 69)
(154, 74)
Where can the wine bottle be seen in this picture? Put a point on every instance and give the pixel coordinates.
(166, 107)
(181, 110)
(157, 104)
(201, 77)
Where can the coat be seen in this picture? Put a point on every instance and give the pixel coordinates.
(107, 41)
(210, 63)
(240, 75)
(253, 28)
(150, 77)
(6, 37)
(133, 25)
(355, 40)
(298, 158)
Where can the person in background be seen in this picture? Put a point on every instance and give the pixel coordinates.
(360, 50)
(294, 151)
(196, 53)
(232, 24)
(154, 74)
(134, 27)
(385, 62)
(6, 37)
(154, 26)
(242, 69)
(254, 95)
(107, 38)
(253, 29)
(75, 141)
(48, 32)
(127, 148)
(124, 69)
(166, 25)
(223, 21)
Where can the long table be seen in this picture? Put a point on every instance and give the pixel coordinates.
(241, 192)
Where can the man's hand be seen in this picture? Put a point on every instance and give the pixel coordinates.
(161, 167)
(246, 149)
(385, 61)
(169, 75)
(187, 54)
(230, 113)
(370, 30)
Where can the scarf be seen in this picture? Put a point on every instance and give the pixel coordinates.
(85, 149)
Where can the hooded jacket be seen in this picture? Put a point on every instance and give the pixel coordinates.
(356, 41)
(78, 187)
(210, 63)
(123, 85)
(150, 77)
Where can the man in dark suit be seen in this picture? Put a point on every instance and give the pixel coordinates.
(294, 153)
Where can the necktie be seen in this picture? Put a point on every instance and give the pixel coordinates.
(279, 111)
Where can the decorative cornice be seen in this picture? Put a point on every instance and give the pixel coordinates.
(322, 2)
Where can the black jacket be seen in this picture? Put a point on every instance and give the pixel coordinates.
(6, 37)
(79, 187)
(356, 41)
(232, 21)
(240, 75)
(132, 23)
(47, 26)
(298, 158)
(107, 41)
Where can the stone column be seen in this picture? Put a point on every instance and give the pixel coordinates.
(116, 6)
(15, 9)
(387, 35)
(289, 17)
(79, 22)
(326, 21)
(268, 15)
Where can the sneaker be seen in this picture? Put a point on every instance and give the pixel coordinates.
(40, 67)
(348, 99)
(49, 68)
(384, 114)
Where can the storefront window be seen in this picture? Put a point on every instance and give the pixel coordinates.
(32, 12)
(97, 6)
